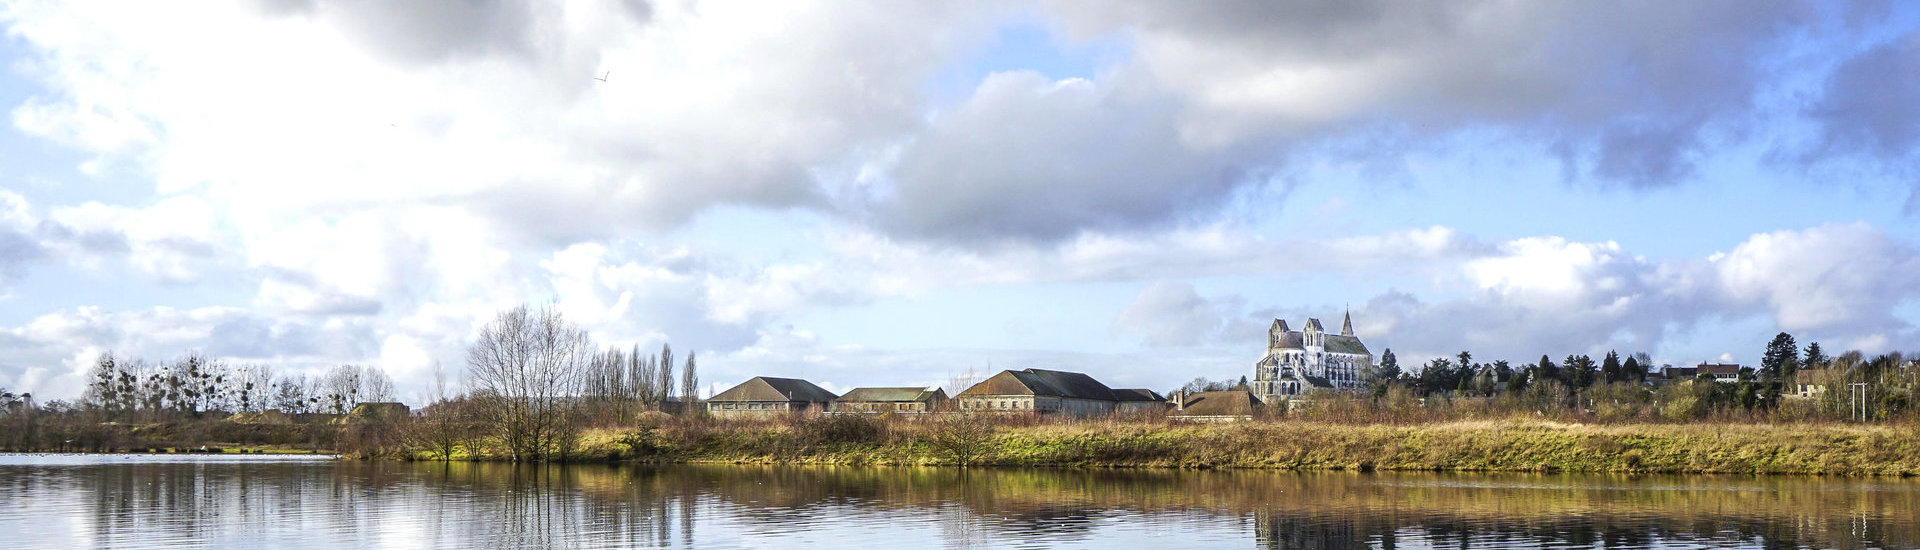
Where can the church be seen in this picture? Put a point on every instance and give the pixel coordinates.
(1298, 361)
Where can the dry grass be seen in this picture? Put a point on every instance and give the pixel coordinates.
(1493, 445)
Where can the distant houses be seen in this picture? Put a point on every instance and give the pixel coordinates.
(890, 400)
(764, 396)
(1215, 406)
(1038, 391)
(1053, 392)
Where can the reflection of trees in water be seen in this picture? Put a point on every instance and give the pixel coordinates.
(1347, 528)
(498, 505)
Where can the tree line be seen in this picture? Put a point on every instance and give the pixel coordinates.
(195, 385)
(1578, 381)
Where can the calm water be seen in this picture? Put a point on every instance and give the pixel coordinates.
(73, 501)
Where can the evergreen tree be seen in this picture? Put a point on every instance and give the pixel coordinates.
(1580, 371)
(1547, 370)
(1781, 359)
(1384, 375)
(1518, 382)
(1632, 371)
(1389, 367)
(1814, 358)
(1610, 368)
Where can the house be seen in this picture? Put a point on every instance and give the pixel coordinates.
(1039, 391)
(769, 396)
(1672, 374)
(890, 400)
(1810, 383)
(1215, 406)
(1138, 400)
(1721, 372)
(1298, 361)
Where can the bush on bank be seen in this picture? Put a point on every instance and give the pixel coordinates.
(1503, 445)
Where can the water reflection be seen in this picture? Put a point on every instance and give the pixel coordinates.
(145, 502)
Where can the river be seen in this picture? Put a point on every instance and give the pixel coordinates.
(193, 501)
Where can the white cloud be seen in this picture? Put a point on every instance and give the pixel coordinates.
(1823, 278)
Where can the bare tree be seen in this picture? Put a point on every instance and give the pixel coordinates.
(666, 373)
(439, 383)
(376, 386)
(290, 395)
(689, 385)
(251, 387)
(340, 390)
(527, 369)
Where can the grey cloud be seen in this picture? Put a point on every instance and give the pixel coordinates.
(1872, 102)
(1169, 314)
(1634, 86)
(16, 251)
(428, 31)
(1029, 157)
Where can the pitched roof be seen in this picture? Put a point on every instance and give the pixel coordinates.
(1314, 325)
(1137, 394)
(1719, 368)
(1290, 340)
(1346, 344)
(1217, 403)
(1346, 325)
(1042, 382)
(893, 395)
(767, 388)
(1279, 325)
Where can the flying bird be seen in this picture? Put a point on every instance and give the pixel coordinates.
(603, 77)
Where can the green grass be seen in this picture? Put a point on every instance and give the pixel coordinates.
(1483, 446)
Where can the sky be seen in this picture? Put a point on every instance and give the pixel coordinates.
(895, 193)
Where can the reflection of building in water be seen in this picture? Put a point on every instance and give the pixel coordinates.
(1297, 361)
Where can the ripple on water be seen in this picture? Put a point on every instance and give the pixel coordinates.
(190, 501)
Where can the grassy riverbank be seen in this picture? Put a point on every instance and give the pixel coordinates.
(1480, 446)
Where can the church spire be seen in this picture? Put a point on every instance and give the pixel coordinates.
(1346, 326)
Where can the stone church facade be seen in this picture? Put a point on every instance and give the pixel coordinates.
(1299, 361)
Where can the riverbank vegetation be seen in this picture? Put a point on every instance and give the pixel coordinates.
(539, 389)
(1492, 445)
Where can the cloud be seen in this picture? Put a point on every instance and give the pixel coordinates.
(1870, 108)
(1550, 295)
(1831, 278)
(1169, 314)
(19, 243)
(1632, 92)
(1031, 157)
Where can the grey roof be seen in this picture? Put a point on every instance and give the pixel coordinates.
(767, 388)
(894, 395)
(1346, 344)
(1217, 403)
(1042, 382)
(1346, 325)
(1290, 340)
(1137, 394)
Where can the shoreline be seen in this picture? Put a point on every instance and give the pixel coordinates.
(1473, 446)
